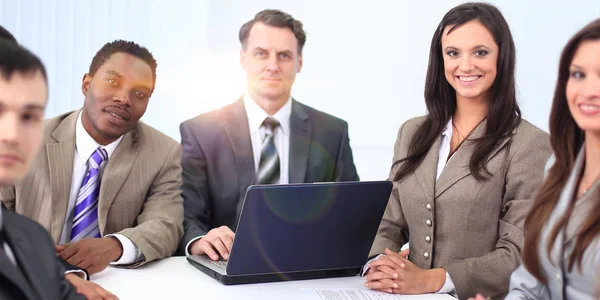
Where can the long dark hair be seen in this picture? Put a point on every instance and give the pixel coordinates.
(566, 139)
(503, 114)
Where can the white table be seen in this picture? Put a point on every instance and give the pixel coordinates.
(175, 278)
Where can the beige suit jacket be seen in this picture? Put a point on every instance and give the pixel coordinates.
(140, 193)
(472, 229)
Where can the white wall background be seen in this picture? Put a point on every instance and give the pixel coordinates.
(364, 60)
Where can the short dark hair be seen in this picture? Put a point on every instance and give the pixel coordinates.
(275, 18)
(5, 34)
(128, 47)
(16, 59)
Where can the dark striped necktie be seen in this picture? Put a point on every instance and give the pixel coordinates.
(268, 167)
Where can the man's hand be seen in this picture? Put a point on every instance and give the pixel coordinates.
(88, 289)
(92, 254)
(216, 242)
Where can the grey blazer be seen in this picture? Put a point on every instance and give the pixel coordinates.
(578, 284)
(472, 229)
(218, 162)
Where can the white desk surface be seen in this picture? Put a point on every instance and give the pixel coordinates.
(175, 278)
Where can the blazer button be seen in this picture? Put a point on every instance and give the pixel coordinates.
(558, 277)
(428, 206)
(428, 239)
(426, 255)
(428, 222)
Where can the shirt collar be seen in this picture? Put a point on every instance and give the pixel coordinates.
(86, 145)
(448, 129)
(256, 115)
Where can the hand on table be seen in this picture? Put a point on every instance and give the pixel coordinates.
(88, 289)
(91, 254)
(394, 273)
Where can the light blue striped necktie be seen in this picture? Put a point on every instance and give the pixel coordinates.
(85, 214)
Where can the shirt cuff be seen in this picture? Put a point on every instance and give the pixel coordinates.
(131, 253)
(448, 287)
(366, 267)
(187, 247)
(79, 273)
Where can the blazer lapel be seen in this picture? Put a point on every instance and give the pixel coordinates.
(457, 166)
(26, 258)
(12, 274)
(300, 135)
(426, 172)
(585, 204)
(238, 134)
(60, 165)
(115, 174)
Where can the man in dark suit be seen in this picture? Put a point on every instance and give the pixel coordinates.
(266, 137)
(29, 268)
(76, 276)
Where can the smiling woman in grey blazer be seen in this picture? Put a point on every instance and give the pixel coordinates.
(561, 256)
(465, 174)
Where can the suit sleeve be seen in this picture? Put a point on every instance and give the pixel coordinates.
(8, 197)
(69, 268)
(195, 188)
(67, 291)
(345, 169)
(393, 230)
(160, 223)
(490, 273)
(58, 267)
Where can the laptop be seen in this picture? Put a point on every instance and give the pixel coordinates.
(301, 231)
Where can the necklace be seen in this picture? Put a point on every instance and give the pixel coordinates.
(585, 186)
(460, 138)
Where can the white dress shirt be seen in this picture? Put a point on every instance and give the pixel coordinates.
(448, 287)
(256, 116)
(85, 146)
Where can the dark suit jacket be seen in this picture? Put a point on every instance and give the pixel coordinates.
(218, 162)
(41, 274)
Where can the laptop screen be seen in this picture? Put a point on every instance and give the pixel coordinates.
(304, 227)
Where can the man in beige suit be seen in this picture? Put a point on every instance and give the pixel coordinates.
(105, 185)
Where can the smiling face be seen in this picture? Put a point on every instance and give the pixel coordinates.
(116, 97)
(583, 87)
(22, 102)
(470, 58)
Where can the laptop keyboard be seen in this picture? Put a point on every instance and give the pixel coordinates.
(222, 264)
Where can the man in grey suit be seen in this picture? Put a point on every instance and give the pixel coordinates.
(266, 137)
